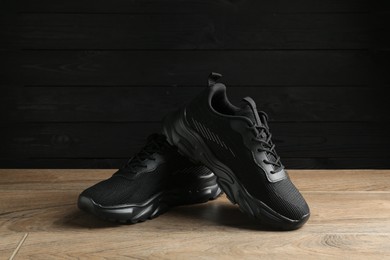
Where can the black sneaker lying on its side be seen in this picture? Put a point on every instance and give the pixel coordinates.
(235, 143)
(151, 182)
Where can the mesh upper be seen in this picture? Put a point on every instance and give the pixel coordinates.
(120, 190)
(136, 185)
(282, 196)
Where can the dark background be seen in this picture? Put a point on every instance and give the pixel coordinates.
(83, 82)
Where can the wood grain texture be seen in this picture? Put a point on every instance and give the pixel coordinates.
(366, 162)
(350, 218)
(156, 67)
(305, 180)
(71, 72)
(164, 245)
(220, 30)
(8, 243)
(141, 103)
(192, 6)
(121, 140)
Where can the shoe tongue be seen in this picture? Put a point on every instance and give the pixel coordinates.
(249, 110)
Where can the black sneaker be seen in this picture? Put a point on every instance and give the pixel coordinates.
(235, 143)
(151, 182)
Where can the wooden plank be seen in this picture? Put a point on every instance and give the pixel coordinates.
(141, 103)
(190, 31)
(381, 21)
(189, 67)
(93, 163)
(345, 227)
(120, 140)
(327, 163)
(8, 243)
(305, 180)
(218, 245)
(115, 163)
(39, 212)
(341, 180)
(57, 179)
(350, 217)
(8, 32)
(380, 58)
(193, 6)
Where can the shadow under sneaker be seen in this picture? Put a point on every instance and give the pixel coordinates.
(235, 143)
(151, 182)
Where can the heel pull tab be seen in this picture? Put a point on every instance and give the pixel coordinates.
(213, 78)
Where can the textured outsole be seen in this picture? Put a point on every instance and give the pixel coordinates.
(190, 144)
(149, 209)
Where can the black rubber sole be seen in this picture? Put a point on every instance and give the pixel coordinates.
(190, 144)
(153, 207)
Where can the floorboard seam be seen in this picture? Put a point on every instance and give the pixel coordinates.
(19, 246)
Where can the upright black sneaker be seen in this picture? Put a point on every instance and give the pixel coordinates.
(235, 143)
(151, 182)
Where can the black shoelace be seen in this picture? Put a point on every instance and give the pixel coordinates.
(264, 137)
(156, 143)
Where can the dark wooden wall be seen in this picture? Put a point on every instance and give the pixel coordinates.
(83, 82)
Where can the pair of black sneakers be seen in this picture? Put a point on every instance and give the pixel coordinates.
(206, 145)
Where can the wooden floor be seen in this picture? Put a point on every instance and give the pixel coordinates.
(39, 219)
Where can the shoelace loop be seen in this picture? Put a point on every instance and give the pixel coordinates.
(155, 144)
(264, 137)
